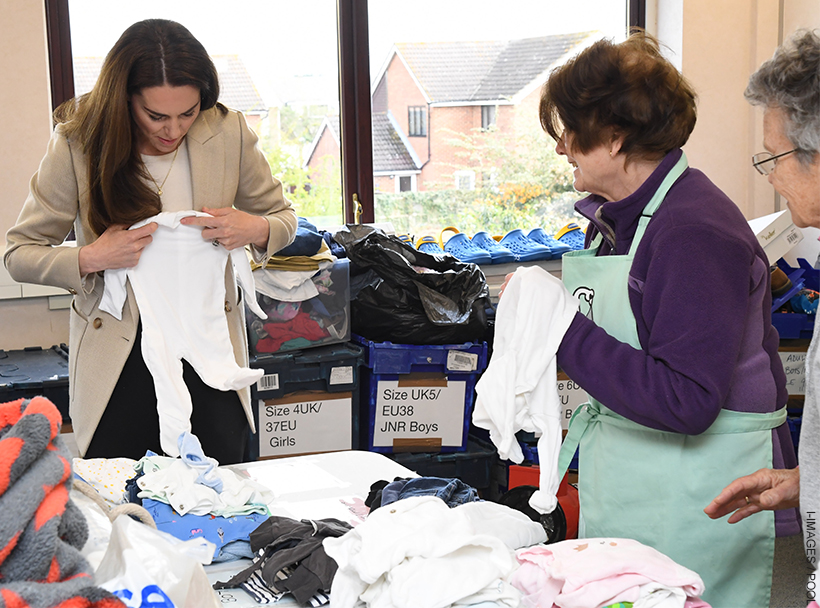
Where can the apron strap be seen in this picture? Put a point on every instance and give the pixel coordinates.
(656, 200)
(728, 421)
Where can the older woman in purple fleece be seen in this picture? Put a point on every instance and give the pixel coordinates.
(787, 86)
(677, 351)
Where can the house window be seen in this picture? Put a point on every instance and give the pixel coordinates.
(417, 121)
(406, 183)
(464, 180)
(487, 117)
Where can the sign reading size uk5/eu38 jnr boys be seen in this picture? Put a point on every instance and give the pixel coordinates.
(411, 410)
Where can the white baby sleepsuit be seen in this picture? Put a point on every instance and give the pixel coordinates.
(179, 286)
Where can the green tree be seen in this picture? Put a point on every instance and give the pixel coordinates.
(318, 196)
(521, 183)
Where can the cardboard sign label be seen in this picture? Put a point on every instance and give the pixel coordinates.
(304, 423)
(572, 396)
(794, 364)
(421, 410)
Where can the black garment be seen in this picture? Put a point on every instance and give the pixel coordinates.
(297, 544)
(130, 424)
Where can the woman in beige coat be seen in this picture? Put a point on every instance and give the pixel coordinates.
(149, 137)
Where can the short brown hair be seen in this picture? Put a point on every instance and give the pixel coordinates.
(627, 89)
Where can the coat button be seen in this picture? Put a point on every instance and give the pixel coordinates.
(97, 323)
(227, 307)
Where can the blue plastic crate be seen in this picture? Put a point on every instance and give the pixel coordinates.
(303, 399)
(795, 423)
(472, 466)
(794, 325)
(33, 372)
(410, 394)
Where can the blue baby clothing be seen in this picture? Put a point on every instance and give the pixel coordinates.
(231, 535)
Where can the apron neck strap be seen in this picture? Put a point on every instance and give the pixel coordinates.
(653, 203)
(657, 198)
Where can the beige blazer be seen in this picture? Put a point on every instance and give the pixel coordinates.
(227, 169)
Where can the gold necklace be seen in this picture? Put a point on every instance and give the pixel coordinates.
(160, 186)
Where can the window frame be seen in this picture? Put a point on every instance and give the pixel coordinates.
(354, 90)
(489, 116)
(420, 114)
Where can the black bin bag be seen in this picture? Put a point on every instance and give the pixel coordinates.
(402, 295)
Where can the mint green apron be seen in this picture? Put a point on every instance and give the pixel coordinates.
(652, 486)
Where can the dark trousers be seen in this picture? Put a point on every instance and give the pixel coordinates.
(130, 423)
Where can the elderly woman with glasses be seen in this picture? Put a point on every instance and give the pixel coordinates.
(674, 345)
(787, 86)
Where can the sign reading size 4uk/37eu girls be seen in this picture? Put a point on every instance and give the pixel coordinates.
(306, 422)
(429, 410)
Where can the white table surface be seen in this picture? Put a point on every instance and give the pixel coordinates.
(317, 486)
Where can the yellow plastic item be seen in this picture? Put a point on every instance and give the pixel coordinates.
(452, 229)
(568, 228)
(426, 239)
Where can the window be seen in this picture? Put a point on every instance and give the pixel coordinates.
(362, 28)
(464, 180)
(487, 117)
(470, 87)
(417, 121)
(405, 183)
(286, 85)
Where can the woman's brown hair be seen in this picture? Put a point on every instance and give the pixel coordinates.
(628, 89)
(150, 53)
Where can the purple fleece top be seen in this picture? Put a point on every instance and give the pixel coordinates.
(699, 288)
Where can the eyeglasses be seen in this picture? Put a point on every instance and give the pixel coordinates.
(765, 162)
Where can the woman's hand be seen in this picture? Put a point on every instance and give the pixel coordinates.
(231, 227)
(766, 489)
(504, 286)
(117, 247)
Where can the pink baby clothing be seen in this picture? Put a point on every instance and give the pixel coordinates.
(595, 572)
(179, 286)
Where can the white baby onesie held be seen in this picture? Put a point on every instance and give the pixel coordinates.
(518, 390)
(179, 286)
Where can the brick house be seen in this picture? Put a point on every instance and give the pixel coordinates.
(396, 166)
(427, 92)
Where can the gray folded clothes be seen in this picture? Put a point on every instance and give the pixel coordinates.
(285, 543)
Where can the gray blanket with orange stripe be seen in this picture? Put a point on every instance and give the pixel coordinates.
(41, 530)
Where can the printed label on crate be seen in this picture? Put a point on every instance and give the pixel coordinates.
(460, 361)
(571, 395)
(342, 374)
(268, 382)
(419, 409)
(794, 364)
(302, 423)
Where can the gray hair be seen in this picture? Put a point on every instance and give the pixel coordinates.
(790, 80)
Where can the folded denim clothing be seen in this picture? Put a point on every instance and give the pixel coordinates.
(454, 492)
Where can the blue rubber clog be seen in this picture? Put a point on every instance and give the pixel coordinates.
(571, 235)
(460, 246)
(429, 244)
(525, 249)
(540, 236)
(499, 253)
